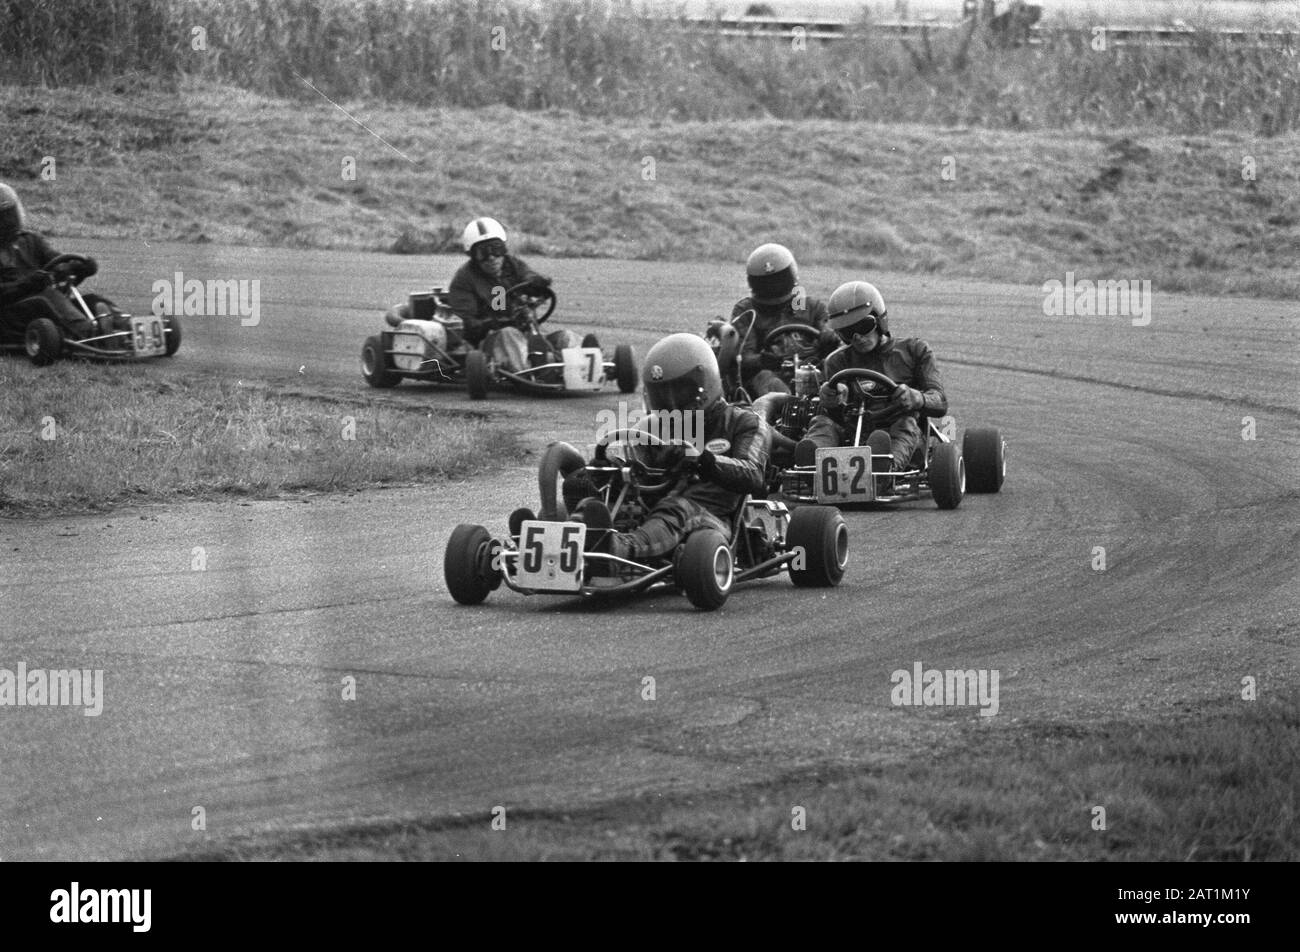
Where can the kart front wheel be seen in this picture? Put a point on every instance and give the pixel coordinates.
(172, 328)
(947, 475)
(705, 570)
(820, 532)
(625, 368)
(476, 374)
(42, 342)
(374, 364)
(985, 455)
(467, 565)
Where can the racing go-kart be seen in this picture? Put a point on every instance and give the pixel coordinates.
(117, 335)
(863, 473)
(795, 344)
(547, 555)
(430, 346)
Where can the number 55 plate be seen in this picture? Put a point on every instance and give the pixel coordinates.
(550, 556)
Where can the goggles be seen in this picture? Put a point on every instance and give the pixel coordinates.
(860, 329)
(495, 248)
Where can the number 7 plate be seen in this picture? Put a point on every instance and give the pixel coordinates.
(550, 556)
(148, 338)
(843, 474)
(584, 368)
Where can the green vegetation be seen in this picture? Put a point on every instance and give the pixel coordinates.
(598, 59)
(1218, 786)
(82, 436)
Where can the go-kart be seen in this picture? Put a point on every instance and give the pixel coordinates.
(117, 336)
(795, 344)
(863, 473)
(430, 346)
(547, 555)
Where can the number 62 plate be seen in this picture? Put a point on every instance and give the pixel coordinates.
(550, 556)
(843, 474)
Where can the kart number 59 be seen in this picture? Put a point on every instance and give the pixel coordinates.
(148, 336)
(551, 555)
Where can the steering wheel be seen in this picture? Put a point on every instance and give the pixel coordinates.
(638, 437)
(70, 269)
(810, 335)
(858, 374)
(533, 299)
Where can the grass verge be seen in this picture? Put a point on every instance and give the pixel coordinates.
(80, 436)
(1218, 784)
(1215, 214)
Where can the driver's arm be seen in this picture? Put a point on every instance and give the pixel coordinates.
(925, 378)
(741, 470)
(526, 275)
(465, 302)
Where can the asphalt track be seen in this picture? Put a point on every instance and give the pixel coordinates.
(223, 687)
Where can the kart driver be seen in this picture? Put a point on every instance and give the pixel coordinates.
(859, 316)
(477, 295)
(27, 290)
(681, 374)
(776, 298)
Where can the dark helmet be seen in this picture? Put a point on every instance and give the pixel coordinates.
(854, 303)
(772, 274)
(12, 220)
(681, 373)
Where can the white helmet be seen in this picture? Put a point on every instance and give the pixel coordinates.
(479, 230)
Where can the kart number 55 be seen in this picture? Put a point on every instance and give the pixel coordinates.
(551, 555)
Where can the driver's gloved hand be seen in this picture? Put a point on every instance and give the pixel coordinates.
(828, 341)
(908, 398)
(538, 283)
(770, 361)
(35, 282)
(832, 397)
(92, 266)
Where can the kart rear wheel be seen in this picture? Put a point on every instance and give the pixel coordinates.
(467, 564)
(172, 328)
(985, 455)
(947, 475)
(476, 374)
(705, 570)
(625, 368)
(821, 533)
(374, 364)
(43, 342)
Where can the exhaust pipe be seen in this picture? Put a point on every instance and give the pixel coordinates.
(559, 460)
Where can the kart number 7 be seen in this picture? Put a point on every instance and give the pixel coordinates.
(584, 368)
(843, 474)
(550, 556)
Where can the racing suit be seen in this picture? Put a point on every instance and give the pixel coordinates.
(798, 309)
(26, 292)
(735, 468)
(909, 362)
(478, 298)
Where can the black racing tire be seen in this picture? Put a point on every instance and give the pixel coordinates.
(821, 533)
(625, 368)
(467, 564)
(172, 327)
(43, 342)
(374, 364)
(947, 476)
(477, 377)
(705, 570)
(985, 455)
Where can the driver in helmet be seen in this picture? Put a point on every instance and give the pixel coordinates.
(26, 289)
(727, 461)
(776, 298)
(477, 295)
(859, 317)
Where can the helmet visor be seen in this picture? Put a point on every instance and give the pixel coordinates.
(682, 393)
(772, 287)
(857, 329)
(492, 248)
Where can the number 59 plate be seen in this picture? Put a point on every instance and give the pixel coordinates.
(843, 474)
(550, 556)
(147, 336)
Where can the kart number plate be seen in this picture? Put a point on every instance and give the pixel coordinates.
(147, 336)
(550, 556)
(843, 474)
(584, 368)
(408, 352)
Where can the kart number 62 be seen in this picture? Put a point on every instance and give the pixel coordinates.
(843, 474)
(550, 556)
